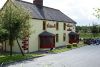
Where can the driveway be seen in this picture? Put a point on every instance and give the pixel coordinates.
(88, 56)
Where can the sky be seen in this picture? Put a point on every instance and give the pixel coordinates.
(80, 11)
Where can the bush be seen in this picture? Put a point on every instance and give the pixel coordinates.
(69, 46)
(75, 45)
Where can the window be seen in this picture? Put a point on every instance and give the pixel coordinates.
(64, 37)
(57, 36)
(69, 29)
(44, 25)
(57, 26)
(64, 26)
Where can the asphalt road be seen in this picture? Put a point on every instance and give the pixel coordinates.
(88, 56)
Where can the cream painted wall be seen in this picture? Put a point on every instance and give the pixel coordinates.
(37, 28)
(15, 46)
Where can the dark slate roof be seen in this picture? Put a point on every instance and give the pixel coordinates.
(45, 33)
(45, 13)
(72, 33)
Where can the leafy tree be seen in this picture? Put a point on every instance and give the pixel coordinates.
(3, 37)
(78, 28)
(16, 21)
(97, 13)
(99, 28)
(94, 30)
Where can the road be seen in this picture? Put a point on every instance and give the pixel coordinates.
(88, 56)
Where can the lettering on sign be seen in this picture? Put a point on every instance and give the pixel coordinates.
(69, 29)
(51, 25)
(68, 25)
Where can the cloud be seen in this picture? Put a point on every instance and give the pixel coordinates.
(2, 3)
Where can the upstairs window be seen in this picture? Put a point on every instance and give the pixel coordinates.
(44, 25)
(57, 37)
(64, 26)
(57, 26)
(64, 37)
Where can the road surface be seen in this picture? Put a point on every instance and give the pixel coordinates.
(88, 56)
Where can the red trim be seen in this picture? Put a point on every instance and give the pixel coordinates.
(47, 42)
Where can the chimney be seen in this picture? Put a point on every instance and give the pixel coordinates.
(38, 3)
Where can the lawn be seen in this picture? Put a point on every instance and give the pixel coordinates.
(16, 57)
(63, 49)
(5, 58)
(88, 35)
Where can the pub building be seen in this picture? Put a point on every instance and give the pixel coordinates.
(49, 26)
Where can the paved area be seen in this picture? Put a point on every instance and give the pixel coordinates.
(88, 56)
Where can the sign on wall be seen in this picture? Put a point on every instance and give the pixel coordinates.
(69, 25)
(50, 25)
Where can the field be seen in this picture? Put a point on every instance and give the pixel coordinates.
(89, 35)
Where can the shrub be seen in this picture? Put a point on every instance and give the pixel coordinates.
(69, 46)
(75, 45)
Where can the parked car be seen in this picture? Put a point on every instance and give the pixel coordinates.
(92, 41)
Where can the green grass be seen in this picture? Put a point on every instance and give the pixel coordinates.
(16, 57)
(63, 49)
(5, 58)
(88, 35)
(59, 50)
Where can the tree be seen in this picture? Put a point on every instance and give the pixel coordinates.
(78, 28)
(3, 37)
(16, 21)
(3, 34)
(97, 13)
(94, 30)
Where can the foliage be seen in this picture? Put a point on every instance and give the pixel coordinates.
(89, 35)
(17, 57)
(59, 50)
(83, 29)
(97, 13)
(94, 30)
(75, 45)
(89, 31)
(3, 35)
(14, 20)
(78, 28)
(67, 48)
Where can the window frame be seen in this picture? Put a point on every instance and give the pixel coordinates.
(44, 25)
(57, 26)
(57, 37)
(64, 26)
(64, 36)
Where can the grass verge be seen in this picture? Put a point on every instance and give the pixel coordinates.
(5, 58)
(63, 49)
(16, 57)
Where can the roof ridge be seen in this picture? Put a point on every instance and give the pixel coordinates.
(51, 8)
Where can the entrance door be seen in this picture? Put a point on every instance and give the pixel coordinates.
(47, 42)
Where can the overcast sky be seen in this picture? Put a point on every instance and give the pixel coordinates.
(79, 10)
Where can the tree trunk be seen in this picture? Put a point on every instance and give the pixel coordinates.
(20, 47)
(5, 45)
(2, 48)
(11, 44)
